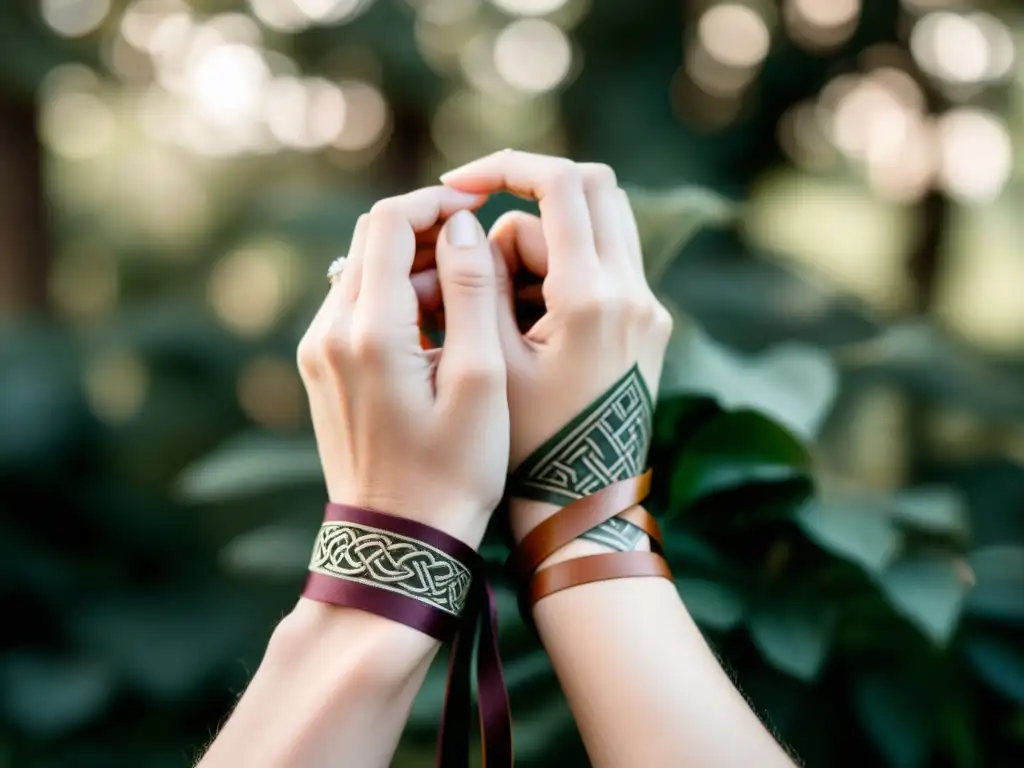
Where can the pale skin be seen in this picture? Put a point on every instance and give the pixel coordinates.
(643, 686)
(422, 434)
(431, 440)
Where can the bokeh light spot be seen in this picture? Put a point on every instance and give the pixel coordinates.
(366, 116)
(270, 392)
(528, 7)
(734, 34)
(304, 114)
(976, 154)
(74, 18)
(115, 383)
(84, 281)
(77, 126)
(532, 55)
(250, 287)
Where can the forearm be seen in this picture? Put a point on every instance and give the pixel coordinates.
(643, 685)
(335, 686)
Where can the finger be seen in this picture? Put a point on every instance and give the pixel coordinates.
(600, 187)
(428, 290)
(557, 185)
(386, 293)
(351, 276)
(326, 334)
(634, 246)
(519, 237)
(471, 361)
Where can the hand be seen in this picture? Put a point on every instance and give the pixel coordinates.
(412, 432)
(601, 316)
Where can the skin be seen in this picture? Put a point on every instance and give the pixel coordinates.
(643, 686)
(422, 434)
(431, 435)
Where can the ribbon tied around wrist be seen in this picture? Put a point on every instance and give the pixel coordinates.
(618, 500)
(416, 575)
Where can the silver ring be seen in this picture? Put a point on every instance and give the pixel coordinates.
(336, 268)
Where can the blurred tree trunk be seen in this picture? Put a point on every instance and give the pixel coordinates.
(925, 266)
(24, 219)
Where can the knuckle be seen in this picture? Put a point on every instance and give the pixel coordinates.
(564, 175)
(470, 275)
(368, 346)
(481, 374)
(386, 210)
(308, 358)
(588, 306)
(640, 310)
(663, 321)
(599, 175)
(333, 350)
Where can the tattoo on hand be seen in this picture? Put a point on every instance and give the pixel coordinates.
(605, 443)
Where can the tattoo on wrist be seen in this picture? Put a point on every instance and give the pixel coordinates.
(393, 562)
(607, 442)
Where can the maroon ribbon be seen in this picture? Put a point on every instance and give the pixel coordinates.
(479, 618)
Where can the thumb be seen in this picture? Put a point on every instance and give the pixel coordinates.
(466, 272)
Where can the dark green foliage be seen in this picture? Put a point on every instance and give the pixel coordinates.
(144, 564)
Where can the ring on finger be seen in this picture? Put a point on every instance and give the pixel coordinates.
(336, 268)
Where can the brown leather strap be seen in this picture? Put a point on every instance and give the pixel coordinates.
(579, 517)
(621, 500)
(584, 570)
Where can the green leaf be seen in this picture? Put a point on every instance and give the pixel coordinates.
(685, 550)
(793, 635)
(711, 603)
(668, 220)
(30, 50)
(733, 450)
(270, 550)
(793, 384)
(427, 707)
(857, 531)
(933, 509)
(893, 719)
(48, 696)
(168, 644)
(929, 363)
(309, 216)
(928, 591)
(250, 465)
(547, 734)
(999, 661)
(999, 583)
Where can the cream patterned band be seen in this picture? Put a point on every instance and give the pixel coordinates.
(336, 268)
(392, 562)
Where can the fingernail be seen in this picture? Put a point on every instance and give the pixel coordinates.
(467, 198)
(463, 230)
(456, 171)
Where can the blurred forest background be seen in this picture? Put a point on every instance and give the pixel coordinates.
(831, 195)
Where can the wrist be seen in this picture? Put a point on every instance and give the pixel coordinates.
(463, 520)
(367, 651)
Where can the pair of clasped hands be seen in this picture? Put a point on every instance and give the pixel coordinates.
(431, 434)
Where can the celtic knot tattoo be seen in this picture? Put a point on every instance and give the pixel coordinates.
(605, 443)
(393, 562)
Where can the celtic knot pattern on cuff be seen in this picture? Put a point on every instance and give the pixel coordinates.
(393, 562)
